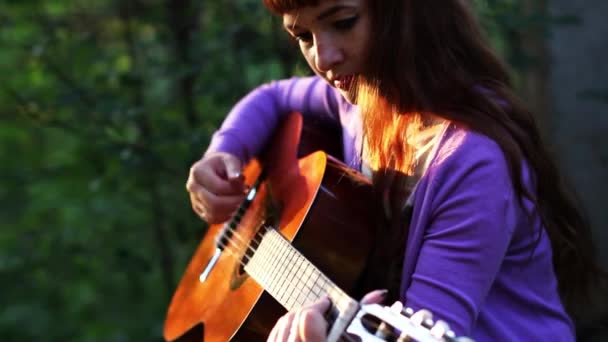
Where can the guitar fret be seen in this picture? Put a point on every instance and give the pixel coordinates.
(303, 289)
(273, 265)
(310, 284)
(288, 276)
(290, 279)
(287, 282)
(318, 287)
(284, 272)
(296, 276)
(279, 269)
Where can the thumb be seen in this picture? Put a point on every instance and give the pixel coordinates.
(374, 297)
(232, 165)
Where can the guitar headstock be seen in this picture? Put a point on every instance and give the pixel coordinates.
(375, 322)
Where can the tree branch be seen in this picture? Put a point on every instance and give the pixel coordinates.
(159, 217)
(182, 19)
(530, 43)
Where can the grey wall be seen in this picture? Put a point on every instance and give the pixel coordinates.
(579, 127)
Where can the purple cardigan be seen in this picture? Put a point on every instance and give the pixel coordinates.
(472, 257)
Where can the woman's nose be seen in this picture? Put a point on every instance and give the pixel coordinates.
(328, 55)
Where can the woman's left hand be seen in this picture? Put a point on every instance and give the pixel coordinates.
(308, 323)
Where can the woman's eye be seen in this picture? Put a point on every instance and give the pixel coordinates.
(303, 37)
(345, 24)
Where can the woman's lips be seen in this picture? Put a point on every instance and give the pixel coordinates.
(343, 82)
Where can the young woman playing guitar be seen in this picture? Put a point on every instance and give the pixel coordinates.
(495, 246)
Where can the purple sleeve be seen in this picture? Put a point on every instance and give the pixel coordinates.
(253, 119)
(472, 214)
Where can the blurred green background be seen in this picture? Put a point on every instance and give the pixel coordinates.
(105, 104)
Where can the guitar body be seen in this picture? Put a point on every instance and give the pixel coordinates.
(315, 202)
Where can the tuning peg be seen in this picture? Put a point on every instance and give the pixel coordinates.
(397, 307)
(407, 312)
(439, 329)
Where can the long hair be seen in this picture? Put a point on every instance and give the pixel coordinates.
(436, 60)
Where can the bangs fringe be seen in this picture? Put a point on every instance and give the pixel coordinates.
(280, 7)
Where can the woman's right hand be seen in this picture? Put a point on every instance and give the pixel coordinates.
(216, 186)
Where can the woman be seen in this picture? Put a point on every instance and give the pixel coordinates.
(495, 247)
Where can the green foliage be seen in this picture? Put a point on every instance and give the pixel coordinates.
(104, 106)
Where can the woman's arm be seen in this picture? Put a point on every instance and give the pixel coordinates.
(215, 184)
(252, 121)
(472, 214)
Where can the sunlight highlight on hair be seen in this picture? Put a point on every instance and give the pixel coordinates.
(388, 134)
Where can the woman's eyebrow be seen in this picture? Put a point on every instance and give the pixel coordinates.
(331, 11)
(325, 14)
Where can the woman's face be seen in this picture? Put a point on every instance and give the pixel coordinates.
(333, 37)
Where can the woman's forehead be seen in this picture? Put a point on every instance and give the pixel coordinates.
(324, 9)
(284, 6)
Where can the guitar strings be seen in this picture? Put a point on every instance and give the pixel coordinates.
(237, 246)
(246, 258)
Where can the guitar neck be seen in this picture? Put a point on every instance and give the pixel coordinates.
(289, 277)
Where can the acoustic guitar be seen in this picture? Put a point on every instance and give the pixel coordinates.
(304, 231)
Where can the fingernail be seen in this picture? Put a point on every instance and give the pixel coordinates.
(376, 296)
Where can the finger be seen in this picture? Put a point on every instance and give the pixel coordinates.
(374, 297)
(273, 334)
(320, 305)
(312, 325)
(196, 204)
(210, 173)
(192, 185)
(284, 325)
(214, 208)
(199, 210)
(218, 208)
(216, 203)
(220, 186)
(198, 207)
(232, 167)
(294, 333)
(278, 331)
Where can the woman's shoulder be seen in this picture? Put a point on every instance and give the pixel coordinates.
(468, 158)
(461, 147)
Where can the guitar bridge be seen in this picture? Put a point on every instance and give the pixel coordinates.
(210, 265)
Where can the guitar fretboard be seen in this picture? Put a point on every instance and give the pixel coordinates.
(289, 277)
